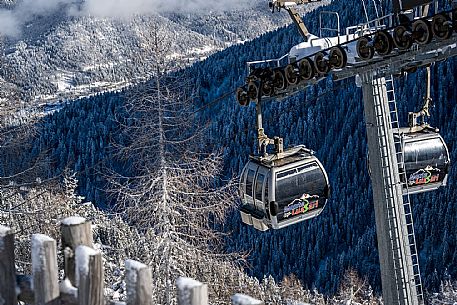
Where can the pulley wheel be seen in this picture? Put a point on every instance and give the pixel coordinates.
(422, 32)
(292, 75)
(364, 49)
(306, 68)
(322, 64)
(268, 88)
(242, 96)
(253, 91)
(279, 81)
(442, 26)
(402, 37)
(383, 43)
(338, 57)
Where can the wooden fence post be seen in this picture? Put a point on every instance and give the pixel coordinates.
(75, 231)
(139, 283)
(89, 276)
(242, 299)
(44, 269)
(7, 270)
(191, 292)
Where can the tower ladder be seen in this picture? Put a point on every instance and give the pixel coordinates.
(409, 225)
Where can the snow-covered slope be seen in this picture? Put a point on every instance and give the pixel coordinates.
(61, 55)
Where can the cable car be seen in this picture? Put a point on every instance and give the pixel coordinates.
(283, 189)
(426, 160)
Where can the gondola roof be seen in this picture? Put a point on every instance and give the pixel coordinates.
(289, 156)
(416, 132)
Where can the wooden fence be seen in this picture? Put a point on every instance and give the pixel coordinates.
(83, 269)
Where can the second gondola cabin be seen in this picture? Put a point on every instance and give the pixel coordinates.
(283, 189)
(426, 159)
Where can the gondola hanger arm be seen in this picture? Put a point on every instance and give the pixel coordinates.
(263, 140)
(424, 113)
(293, 13)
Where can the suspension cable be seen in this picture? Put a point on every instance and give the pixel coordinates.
(223, 96)
(213, 102)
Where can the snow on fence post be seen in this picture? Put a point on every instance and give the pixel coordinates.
(75, 231)
(44, 270)
(242, 299)
(139, 282)
(191, 292)
(89, 276)
(7, 270)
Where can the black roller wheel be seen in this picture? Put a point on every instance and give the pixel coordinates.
(442, 26)
(321, 63)
(279, 81)
(253, 91)
(242, 96)
(403, 39)
(383, 43)
(306, 68)
(268, 88)
(292, 75)
(422, 32)
(365, 49)
(338, 57)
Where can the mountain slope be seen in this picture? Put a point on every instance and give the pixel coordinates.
(63, 55)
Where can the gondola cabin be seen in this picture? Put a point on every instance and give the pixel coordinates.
(426, 160)
(283, 189)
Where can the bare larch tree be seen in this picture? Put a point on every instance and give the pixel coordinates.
(174, 193)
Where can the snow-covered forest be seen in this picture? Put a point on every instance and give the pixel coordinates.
(63, 55)
(155, 169)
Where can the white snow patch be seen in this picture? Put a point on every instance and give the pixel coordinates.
(83, 253)
(242, 299)
(187, 283)
(68, 288)
(38, 241)
(132, 267)
(73, 221)
(131, 264)
(63, 79)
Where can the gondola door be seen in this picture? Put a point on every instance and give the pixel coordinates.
(253, 211)
(258, 217)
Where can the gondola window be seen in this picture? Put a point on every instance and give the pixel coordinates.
(426, 152)
(249, 182)
(293, 184)
(258, 187)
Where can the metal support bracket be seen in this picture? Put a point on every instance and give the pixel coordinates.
(262, 139)
(419, 118)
